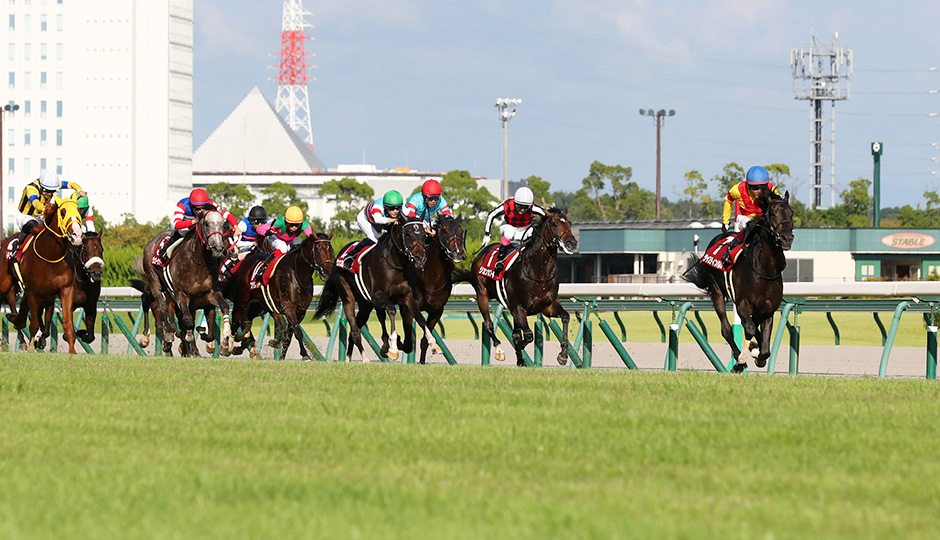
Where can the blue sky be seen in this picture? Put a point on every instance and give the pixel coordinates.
(412, 83)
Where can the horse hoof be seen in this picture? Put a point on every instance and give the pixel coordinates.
(210, 347)
(253, 353)
(274, 344)
(393, 355)
(190, 338)
(500, 356)
(227, 346)
(435, 350)
(306, 359)
(562, 359)
(739, 367)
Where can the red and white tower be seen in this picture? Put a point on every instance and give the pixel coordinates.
(292, 99)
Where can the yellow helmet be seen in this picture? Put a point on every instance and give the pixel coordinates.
(294, 215)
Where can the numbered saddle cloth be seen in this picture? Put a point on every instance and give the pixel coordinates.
(261, 275)
(348, 255)
(488, 266)
(714, 255)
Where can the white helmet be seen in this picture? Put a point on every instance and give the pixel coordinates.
(49, 181)
(524, 196)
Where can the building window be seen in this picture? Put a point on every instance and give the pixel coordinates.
(933, 272)
(10, 168)
(26, 137)
(58, 22)
(42, 109)
(27, 22)
(867, 271)
(59, 80)
(27, 108)
(42, 164)
(42, 137)
(28, 80)
(12, 23)
(12, 50)
(42, 51)
(58, 51)
(58, 137)
(42, 80)
(12, 79)
(10, 135)
(58, 165)
(42, 23)
(58, 109)
(27, 167)
(27, 51)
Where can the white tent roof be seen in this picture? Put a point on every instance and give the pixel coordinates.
(254, 138)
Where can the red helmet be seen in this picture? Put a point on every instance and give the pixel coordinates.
(431, 187)
(199, 197)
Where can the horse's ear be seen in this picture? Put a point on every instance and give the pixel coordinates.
(330, 237)
(786, 196)
(565, 211)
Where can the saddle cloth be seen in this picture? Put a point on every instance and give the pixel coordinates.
(714, 255)
(16, 254)
(158, 260)
(488, 266)
(261, 278)
(350, 250)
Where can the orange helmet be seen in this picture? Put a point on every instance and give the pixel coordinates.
(294, 215)
(431, 187)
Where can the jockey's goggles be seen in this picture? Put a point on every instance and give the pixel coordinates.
(433, 198)
(523, 207)
(395, 208)
(256, 221)
(47, 191)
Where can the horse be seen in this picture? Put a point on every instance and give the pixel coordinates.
(436, 278)
(387, 278)
(193, 274)
(531, 284)
(47, 274)
(756, 279)
(288, 294)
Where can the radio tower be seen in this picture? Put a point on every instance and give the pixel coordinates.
(822, 74)
(292, 99)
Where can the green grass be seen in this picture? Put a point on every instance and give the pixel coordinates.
(123, 447)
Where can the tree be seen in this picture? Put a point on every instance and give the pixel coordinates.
(697, 189)
(280, 195)
(236, 199)
(465, 196)
(350, 196)
(856, 203)
(731, 175)
(777, 172)
(540, 189)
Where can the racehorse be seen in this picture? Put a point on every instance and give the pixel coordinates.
(436, 279)
(193, 274)
(47, 274)
(288, 295)
(387, 277)
(531, 284)
(756, 279)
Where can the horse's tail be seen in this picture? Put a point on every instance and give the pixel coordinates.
(696, 273)
(138, 264)
(328, 298)
(461, 275)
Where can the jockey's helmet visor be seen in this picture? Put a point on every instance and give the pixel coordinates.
(256, 221)
(432, 199)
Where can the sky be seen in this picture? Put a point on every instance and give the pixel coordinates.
(413, 83)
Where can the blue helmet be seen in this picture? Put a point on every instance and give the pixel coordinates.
(757, 175)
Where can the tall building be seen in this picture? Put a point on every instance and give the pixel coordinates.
(105, 93)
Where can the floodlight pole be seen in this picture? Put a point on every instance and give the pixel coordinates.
(659, 119)
(876, 150)
(503, 104)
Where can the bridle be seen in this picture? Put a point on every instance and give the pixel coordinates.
(408, 251)
(554, 242)
(63, 224)
(442, 241)
(314, 263)
(205, 239)
(777, 240)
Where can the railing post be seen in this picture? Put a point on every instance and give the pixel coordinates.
(539, 341)
(835, 329)
(105, 333)
(54, 333)
(889, 342)
(884, 335)
(672, 354)
(778, 337)
(794, 347)
(662, 329)
(931, 353)
(343, 337)
(410, 357)
(137, 321)
(623, 329)
(618, 346)
(587, 343)
(476, 329)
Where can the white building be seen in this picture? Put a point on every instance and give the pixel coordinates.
(254, 146)
(104, 90)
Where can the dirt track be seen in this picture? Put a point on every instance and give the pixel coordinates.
(814, 359)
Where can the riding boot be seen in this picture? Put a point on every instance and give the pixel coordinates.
(225, 269)
(164, 246)
(500, 255)
(726, 258)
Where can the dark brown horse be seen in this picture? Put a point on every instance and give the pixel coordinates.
(756, 279)
(193, 283)
(46, 272)
(387, 278)
(436, 278)
(531, 284)
(289, 292)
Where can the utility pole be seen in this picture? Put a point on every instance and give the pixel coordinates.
(659, 119)
(876, 149)
(503, 104)
(8, 108)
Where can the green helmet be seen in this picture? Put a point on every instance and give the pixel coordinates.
(82, 202)
(392, 198)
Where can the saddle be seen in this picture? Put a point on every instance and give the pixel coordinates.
(714, 255)
(261, 275)
(350, 257)
(157, 260)
(488, 265)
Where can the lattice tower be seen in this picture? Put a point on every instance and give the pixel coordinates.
(293, 101)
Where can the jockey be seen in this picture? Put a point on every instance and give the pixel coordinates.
(189, 210)
(427, 204)
(743, 198)
(84, 210)
(283, 232)
(35, 196)
(517, 213)
(378, 214)
(248, 227)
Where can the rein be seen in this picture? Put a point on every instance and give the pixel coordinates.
(63, 234)
(776, 239)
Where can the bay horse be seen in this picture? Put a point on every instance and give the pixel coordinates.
(436, 278)
(290, 291)
(388, 275)
(756, 279)
(193, 280)
(531, 284)
(46, 272)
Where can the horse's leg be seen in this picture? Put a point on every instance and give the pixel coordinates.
(66, 296)
(33, 303)
(555, 310)
(483, 302)
(187, 319)
(380, 315)
(764, 331)
(718, 301)
(407, 328)
(349, 306)
(219, 302)
(521, 334)
(746, 313)
(295, 315)
(434, 316)
(362, 317)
